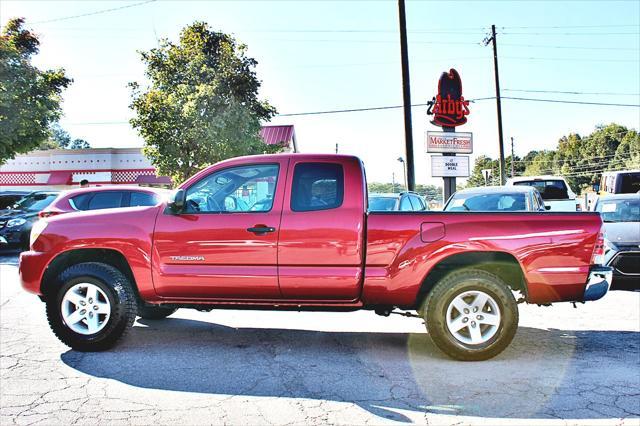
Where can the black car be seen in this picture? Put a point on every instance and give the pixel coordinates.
(16, 221)
(9, 198)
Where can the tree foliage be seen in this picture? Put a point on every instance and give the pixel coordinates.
(201, 105)
(60, 139)
(581, 160)
(29, 98)
(483, 162)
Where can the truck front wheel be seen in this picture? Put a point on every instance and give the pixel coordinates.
(93, 307)
(471, 315)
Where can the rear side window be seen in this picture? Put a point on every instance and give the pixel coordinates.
(143, 199)
(549, 189)
(405, 204)
(80, 202)
(417, 203)
(106, 200)
(317, 186)
(629, 183)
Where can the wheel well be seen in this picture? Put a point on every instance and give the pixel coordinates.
(501, 264)
(72, 257)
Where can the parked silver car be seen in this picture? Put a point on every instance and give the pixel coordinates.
(621, 216)
(496, 199)
(404, 201)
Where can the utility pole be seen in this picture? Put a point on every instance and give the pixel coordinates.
(406, 92)
(512, 158)
(498, 103)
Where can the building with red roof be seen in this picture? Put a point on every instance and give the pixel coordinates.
(65, 168)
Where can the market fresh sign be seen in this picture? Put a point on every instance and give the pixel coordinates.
(449, 166)
(458, 143)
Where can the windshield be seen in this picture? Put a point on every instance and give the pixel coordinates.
(35, 202)
(548, 189)
(382, 203)
(486, 202)
(619, 210)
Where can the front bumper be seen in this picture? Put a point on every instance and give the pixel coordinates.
(31, 267)
(10, 236)
(599, 282)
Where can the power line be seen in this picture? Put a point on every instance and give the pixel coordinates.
(97, 12)
(379, 108)
(568, 34)
(547, 46)
(573, 26)
(571, 102)
(389, 107)
(572, 92)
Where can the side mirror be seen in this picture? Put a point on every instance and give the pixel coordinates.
(177, 200)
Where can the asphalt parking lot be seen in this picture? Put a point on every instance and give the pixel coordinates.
(565, 366)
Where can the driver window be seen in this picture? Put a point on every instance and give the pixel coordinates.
(237, 189)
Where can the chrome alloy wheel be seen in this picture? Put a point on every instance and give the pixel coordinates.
(85, 308)
(473, 317)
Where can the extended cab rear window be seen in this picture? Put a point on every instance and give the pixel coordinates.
(548, 189)
(317, 186)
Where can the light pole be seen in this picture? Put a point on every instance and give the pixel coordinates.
(404, 169)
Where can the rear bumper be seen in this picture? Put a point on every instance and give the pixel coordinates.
(598, 283)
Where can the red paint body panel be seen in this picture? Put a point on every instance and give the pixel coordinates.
(334, 258)
(235, 263)
(542, 243)
(324, 261)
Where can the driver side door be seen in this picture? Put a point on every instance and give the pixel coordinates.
(223, 245)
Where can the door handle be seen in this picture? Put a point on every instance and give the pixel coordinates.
(261, 229)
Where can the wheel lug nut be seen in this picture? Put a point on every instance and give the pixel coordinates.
(95, 308)
(473, 323)
(466, 311)
(479, 317)
(90, 314)
(475, 309)
(82, 312)
(90, 300)
(465, 319)
(82, 303)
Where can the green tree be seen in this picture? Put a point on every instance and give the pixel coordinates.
(60, 139)
(201, 105)
(581, 160)
(29, 97)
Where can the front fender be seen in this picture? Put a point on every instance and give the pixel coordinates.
(128, 232)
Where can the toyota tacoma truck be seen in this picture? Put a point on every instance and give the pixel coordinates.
(292, 232)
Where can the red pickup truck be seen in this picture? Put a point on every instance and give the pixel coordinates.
(292, 232)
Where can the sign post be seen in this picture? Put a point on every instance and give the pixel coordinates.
(449, 109)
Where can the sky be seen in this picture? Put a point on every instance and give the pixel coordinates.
(330, 55)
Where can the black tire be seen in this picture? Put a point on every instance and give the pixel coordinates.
(154, 312)
(122, 300)
(446, 290)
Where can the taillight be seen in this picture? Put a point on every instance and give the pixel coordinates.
(597, 258)
(44, 214)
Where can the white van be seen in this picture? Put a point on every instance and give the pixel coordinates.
(555, 192)
(620, 182)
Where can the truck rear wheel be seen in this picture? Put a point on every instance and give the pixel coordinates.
(93, 307)
(471, 315)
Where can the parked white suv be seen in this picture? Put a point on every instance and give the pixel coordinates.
(555, 192)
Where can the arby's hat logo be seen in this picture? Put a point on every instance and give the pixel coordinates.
(449, 108)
